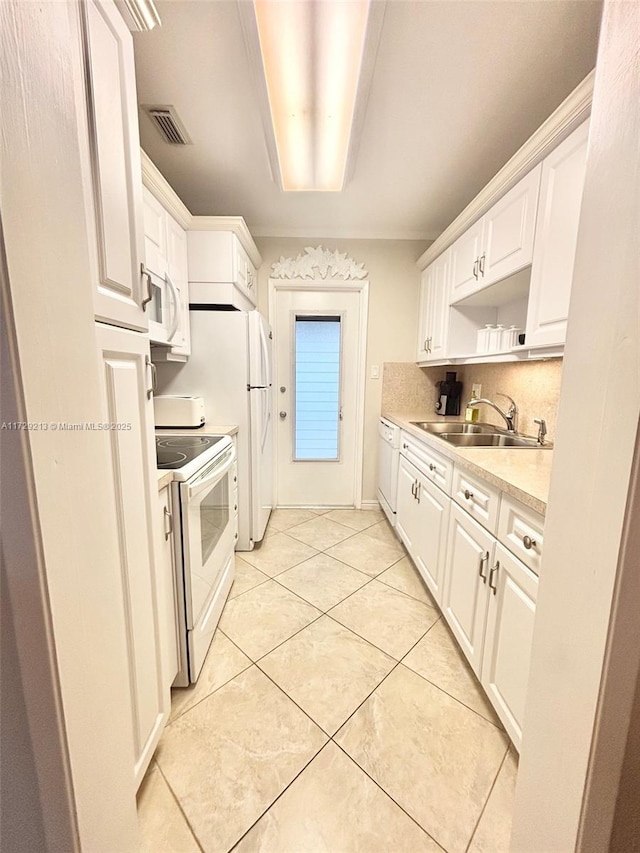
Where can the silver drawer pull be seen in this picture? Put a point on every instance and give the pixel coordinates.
(468, 495)
(168, 517)
(483, 559)
(432, 467)
(405, 446)
(492, 573)
(528, 542)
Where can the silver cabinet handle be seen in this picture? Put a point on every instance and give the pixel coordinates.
(167, 517)
(413, 488)
(432, 467)
(475, 269)
(483, 559)
(405, 446)
(468, 495)
(145, 272)
(492, 573)
(528, 542)
(426, 345)
(283, 415)
(481, 261)
(154, 377)
(418, 486)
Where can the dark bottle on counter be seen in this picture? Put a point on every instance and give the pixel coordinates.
(449, 395)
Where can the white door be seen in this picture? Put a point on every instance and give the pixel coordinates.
(128, 409)
(431, 535)
(470, 551)
(319, 379)
(111, 146)
(507, 653)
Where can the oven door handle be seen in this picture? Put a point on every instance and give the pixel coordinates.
(223, 465)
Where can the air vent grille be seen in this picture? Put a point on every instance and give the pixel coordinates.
(168, 124)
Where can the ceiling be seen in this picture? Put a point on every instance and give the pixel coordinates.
(457, 87)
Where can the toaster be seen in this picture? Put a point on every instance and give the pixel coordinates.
(178, 412)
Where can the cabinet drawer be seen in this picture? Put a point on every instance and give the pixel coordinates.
(477, 497)
(520, 529)
(429, 462)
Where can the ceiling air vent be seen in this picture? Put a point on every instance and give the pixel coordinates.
(168, 124)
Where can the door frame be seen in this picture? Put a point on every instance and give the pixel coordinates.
(361, 287)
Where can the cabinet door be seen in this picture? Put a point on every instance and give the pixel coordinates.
(114, 153)
(155, 234)
(167, 592)
(425, 312)
(556, 237)
(470, 551)
(407, 519)
(508, 230)
(465, 253)
(430, 539)
(509, 636)
(125, 377)
(178, 270)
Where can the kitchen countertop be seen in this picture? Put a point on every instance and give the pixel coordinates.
(523, 473)
(165, 477)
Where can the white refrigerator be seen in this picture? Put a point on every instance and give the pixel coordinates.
(230, 367)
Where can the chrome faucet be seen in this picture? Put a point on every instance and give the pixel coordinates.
(509, 416)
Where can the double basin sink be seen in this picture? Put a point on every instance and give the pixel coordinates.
(478, 435)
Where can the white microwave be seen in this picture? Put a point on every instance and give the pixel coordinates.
(165, 309)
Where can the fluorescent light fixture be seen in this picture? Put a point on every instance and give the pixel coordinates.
(312, 53)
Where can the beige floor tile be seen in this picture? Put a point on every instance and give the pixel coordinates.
(247, 576)
(282, 519)
(438, 659)
(387, 618)
(223, 662)
(320, 532)
(383, 532)
(358, 519)
(367, 554)
(327, 670)
(323, 581)
(434, 757)
(230, 757)
(493, 834)
(333, 807)
(278, 553)
(404, 576)
(264, 617)
(162, 824)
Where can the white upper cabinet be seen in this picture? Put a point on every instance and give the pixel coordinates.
(220, 270)
(110, 142)
(165, 258)
(500, 244)
(434, 310)
(556, 237)
(465, 254)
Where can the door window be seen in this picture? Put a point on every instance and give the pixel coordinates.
(317, 388)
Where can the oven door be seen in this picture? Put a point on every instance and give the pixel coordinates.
(208, 532)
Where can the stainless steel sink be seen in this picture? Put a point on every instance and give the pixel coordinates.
(477, 435)
(491, 440)
(437, 428)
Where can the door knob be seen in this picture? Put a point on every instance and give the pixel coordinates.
(283, 415)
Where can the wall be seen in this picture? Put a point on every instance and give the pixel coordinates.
(394, 285)
(535, 386)
(586, 644)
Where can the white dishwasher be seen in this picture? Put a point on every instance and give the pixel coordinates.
(388, 462)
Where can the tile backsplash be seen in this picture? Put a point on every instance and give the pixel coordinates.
(534, 385)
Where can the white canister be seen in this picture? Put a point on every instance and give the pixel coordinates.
(495, 338)
(510, 337)
(482, 344)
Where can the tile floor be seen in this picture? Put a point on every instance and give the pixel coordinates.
(334, 712)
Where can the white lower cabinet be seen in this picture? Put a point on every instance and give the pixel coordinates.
(470, 552)
(167, 592)
(423, 515)
(508, 639)
(128, 410)
(486, 593)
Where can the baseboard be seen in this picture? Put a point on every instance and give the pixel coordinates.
(369, 505)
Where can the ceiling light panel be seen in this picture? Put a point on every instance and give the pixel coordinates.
(312, 54)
